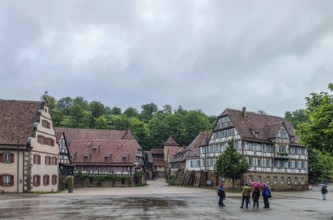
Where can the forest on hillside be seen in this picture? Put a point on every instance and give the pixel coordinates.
(151, 126)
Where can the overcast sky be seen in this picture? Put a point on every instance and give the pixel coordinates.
(208, 55)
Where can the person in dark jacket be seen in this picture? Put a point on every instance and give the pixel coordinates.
(324, 191)
(221, 194)
(266, 194)
(255, 197)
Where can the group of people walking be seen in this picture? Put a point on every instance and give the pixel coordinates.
(248, 192)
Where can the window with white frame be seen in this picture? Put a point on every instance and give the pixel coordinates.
(7, 180)
(288, 180)
(296, 180)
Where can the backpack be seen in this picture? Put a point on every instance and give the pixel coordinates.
(220, 192)
(269, 193)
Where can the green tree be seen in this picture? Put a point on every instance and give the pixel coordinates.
(296, 117)
(181, 110)
(167, 109)
(101, 123)
(120, 122)
(318, 131)
(97, 109)
(320, 166)
(195, 122)
(158, 131)
(51, 101)
(115, 111)
(141, 132)
(131, 112)
(57, 117)
(79, 116)
(231, 164)
(175, 125)
(64, 104)
(148, 111)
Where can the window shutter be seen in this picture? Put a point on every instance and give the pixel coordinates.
(11, 180)
(1, 160)
(34, 159)
(12, 158)
(39, 159)
(1, 180)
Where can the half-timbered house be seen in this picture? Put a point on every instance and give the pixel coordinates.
(102, 152)
(269, 144)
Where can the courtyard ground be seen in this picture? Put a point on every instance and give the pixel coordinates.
(160, 201)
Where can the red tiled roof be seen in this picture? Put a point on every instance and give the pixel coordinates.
(116, 150)
(201, 139)
(17, 120)
(171, 142)
(265, 126)
(73, 134)
(194, 153)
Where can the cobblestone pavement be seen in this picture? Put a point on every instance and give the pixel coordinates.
(160, 201)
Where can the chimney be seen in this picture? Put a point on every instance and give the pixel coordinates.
(244, 111)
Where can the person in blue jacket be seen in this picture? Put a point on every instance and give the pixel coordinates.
(221, 194)
(266, 194)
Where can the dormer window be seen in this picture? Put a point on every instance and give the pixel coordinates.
(125, 159)
(106, 159)
(283, 134)
(85, 158)
(94, 150)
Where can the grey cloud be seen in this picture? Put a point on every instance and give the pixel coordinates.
(206, 55)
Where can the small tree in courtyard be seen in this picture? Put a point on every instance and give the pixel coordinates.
(231, 164)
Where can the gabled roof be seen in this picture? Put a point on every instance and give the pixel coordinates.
(201, 139)
(73, 134)
(257, 126)
(115, 150)
(17, 120)
(171, 142)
